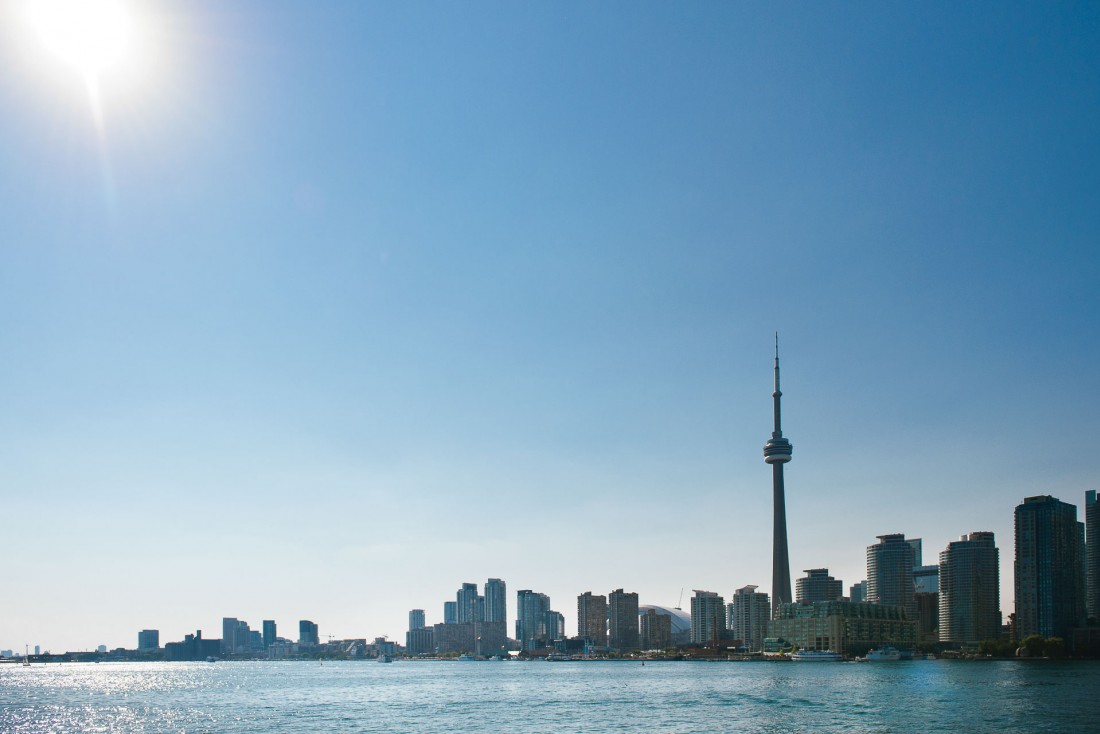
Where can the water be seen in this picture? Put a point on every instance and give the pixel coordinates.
(499, 697)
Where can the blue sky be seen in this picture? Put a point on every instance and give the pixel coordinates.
(343, 306)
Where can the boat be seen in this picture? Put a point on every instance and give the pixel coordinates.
(816, 656)
(884, 654)
(26, 658)
(465, 658)
(384, 658)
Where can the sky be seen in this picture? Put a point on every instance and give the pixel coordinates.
(318, 311)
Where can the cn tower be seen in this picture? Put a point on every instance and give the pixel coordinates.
(777, 452)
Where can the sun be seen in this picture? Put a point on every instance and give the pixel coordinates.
(89, 35)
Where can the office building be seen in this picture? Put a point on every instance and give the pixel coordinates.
(496, 601)
(622, 615)
(1092, 555)
(857, 593)
(708, 617)
(193, 647)
(269, 633)
(592, 618)
(420, 641)
(970, 590)
(747, 616)
(1050, 568)
(777, 452)
(890, 573)
(308, 633)
(655, 630)
(926, 579)
(148, 640)
(450, 612)
(818, 585)
(229, 643)
(416, 619)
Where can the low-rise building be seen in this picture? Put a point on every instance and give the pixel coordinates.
(844, 627)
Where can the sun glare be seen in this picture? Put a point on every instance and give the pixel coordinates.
(89, 35)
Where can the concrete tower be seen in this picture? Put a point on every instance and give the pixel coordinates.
(777, 452)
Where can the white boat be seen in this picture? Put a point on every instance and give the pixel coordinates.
(884, 654)
(384, 658)
(816, 656)
(465, 657)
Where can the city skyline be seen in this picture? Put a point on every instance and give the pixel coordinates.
(317, 315)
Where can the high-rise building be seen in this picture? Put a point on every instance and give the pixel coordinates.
(655, 630)
(496, 601)
(148, 640)
(970, 590)
(1050, 568)
(818, 585)
(592, 618)
(531, 609)
(857, 593)
(467, 603)
(450, 612)
(918, 553)
(229, 635)
(777, 452)
(890, 573)
(1092, 555)
(622, 613)
(269, 632)
(555, 626)
(308, 633)
(747, 616)
(926, 579)
(708, 617)
(416, 619)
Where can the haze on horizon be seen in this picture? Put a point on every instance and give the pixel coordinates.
(318, 313)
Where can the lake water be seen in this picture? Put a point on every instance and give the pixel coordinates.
(918, 696)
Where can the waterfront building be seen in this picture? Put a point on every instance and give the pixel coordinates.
(269, 633)
(747, 616)
(844, 627)
(450, 612)
(970, 590)
(592, 618)
(777, 452)
(420, 641)
(1050, 568)
(148, 641)
(193, 647)
(491, 638)
(467, 603)
(308, 633)
(416, 619)
(890, 573)
(708, 617)
(1092, 555)
(857, 593)
(531, 609)
(229, 643)
(928, 615)
(622, 612)
(555, 626)
(496, 601)
(655, 630)
(679, 621)
(818, 585)
(459, 637)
